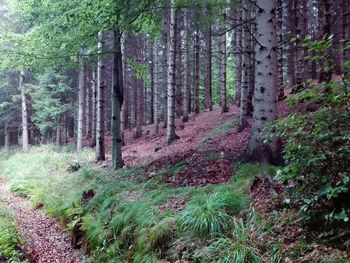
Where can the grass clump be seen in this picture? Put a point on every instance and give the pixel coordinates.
(210, 216)
(227, 126)
(9, 237)
(239, 247)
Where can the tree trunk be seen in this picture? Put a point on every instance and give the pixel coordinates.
(196, 72)
(246, 69)
(223, 64)
(88, 102)
(81, 93)
(337, 29)
(7, 138)
(25, 134)
(238, 51)
(178, 55)
(251, 68)
(279, 30)
(208, 66)
(152, 44)
(117, 101)
(171, 135)
(93, 110)
(346, 28)
(265, 106)
(156, 87)
(125, 108)
(101, 93)
(165, 38)
(187, 94)
(58, 133)
(291, 45)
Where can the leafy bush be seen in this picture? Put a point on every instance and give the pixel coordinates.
(210, 216)
(317, 148)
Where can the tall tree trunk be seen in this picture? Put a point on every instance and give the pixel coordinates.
(246, 69)
(171, 135)
(187, 94)
(196, 71)
(337, 29)
(165, 38)
(291, 44)
(223, 64)
(58, 133)
(238, 51)
(178, 55)
(93, 110)
(81, 93)
(251, 68)
(208, 66)
(265, 106)
(88, 102)
(125, 108)
(346, 28)
(25, 133)
(7, 138)
(156, 87)
(117, 101)
(101, 93)
(279, 30)
(152, 44)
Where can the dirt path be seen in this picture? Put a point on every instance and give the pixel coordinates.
(45, 241)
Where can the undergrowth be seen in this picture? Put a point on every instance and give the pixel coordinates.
(9, 237)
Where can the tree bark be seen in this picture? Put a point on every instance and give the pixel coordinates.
(279, 30)
(81, 93)
(291, 45)
(208, 66)
(223, 64)
(7, 138)
(25, 133)
(171, 135)
(196, 71)
(187, 94)
(265, 104)
(101, 93)
(117, 101)
(165, 38)
(238, 51)
(156, 87)
(93, 110)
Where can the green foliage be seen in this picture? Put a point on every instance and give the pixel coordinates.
(227, 126)
(9, 237)
(317, 146)
(210, 216)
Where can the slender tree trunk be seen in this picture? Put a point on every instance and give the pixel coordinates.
(337, 29)
(196, 71)
(7, 138)
(251, 68)
(152, 44)
(81, 93)
(87, 103)
(246, 64)
(223, 65)
(187, 94)
(25, 134)
(238, 51)
(93, 110)
(265, 104)
(117, 101)
(291, 45)
(156, 87)
(165, 38)
(279, 30)
(101, 93)
(346, 28)
(178, 55)
(125, 108)
(171, 135)
(58, 133)
(208, 66)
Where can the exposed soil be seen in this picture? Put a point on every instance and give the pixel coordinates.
(45, 242)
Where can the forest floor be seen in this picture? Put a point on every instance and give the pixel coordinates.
(105, 210)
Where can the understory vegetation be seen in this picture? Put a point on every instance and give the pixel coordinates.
(9, 237)
(119, 216)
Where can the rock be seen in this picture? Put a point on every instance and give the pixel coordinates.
(73, 167)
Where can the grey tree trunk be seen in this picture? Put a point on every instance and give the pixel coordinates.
(81, 93)
(156, 87)
(7, 138)
(93, 113)
(265, 103)
(125, 109)
(208, 66)
(187, 94)
(101, 93)
(246, 69)
(196, 71)
(223, 64)
(25, 133)
(117, 101)
(88, 103)
(165, 38)
(291, 45)
(238, 51)
(279, 30)
(59, 133)
(171, 135)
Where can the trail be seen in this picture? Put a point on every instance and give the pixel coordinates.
(45, 242)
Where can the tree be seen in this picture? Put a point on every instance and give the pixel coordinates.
(80, 138)
(265, 106)
(101, 93)
(25, 133)
(187, 94)
(171, 135)
(208, 66)
(223, 64)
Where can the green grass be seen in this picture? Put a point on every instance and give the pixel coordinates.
(9, 237)
(227, 126)
(122, 222)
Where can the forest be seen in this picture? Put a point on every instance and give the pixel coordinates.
(174, 131)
